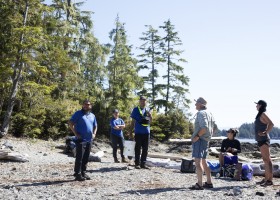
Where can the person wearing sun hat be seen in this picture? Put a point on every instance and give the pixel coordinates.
(204, 126)
(263, 125)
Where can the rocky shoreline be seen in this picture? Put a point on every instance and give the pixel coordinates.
(48, 175)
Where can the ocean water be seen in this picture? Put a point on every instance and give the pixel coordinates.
(254, 141)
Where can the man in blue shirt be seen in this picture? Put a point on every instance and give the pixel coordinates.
(83, 124)
(117, 125)
(141, 119)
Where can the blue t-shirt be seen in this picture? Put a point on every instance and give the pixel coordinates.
(84, 123)
(137, 116)
(115, 122)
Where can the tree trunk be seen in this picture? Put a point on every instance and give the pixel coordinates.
(168, 80)
(17, 76)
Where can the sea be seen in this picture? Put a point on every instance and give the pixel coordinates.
(242, 140)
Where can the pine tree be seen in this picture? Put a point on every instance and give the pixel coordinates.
(176, 81)
(22, 36)
(151, 60)
(122, 68)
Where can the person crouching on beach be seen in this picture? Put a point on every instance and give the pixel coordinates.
(230, 146)
(263, 125)
(203, 130)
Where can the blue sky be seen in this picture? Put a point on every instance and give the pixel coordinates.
(232, 48)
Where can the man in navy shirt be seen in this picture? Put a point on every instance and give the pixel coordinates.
(117, 125)
(84, 126)
(141, 119)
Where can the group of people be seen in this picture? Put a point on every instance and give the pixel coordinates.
(204, 128)
(84, 126)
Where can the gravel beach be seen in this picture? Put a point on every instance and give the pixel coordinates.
(48, 175)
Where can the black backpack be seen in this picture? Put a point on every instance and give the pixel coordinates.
(187, 166)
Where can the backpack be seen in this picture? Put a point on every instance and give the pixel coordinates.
(187, 166)
(247, 172)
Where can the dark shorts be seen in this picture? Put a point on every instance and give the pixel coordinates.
(267, 142)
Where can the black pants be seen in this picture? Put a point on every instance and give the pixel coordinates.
(82, 155)
(115, 142)
(142, 141)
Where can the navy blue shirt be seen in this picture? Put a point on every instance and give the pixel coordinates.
(231, 143)
(115, 122)
(84, 124)
(137, 116)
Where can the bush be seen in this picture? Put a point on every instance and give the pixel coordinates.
(172, 125)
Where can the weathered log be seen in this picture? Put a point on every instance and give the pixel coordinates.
(164, 156)
(6, 154)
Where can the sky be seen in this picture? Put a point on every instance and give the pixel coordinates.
(232, 48)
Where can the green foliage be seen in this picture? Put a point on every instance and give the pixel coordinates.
(27, 125)
(176, 81)
(151, 60)
(50, 62)
(162, 52)
(47, 119)
(173, 125)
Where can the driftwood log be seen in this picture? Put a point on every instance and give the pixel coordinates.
(215, 151)
(164, 156)
(7, 154)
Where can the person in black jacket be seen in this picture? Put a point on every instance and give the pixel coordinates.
(230, 146)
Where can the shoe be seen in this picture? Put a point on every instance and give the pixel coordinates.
(260, 193)
(79, 177)
(137, 167)
(116, 160)
(208, 185)
(196, 187)
(124, 160)
(85, 176)
(144, 167)
(261, 182)
(267, 183)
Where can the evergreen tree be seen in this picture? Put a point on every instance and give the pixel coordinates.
(151, 60)
(176, 81)
(22, 37)
(122, 69)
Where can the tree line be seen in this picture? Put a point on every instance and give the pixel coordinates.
(247, 130)
(51, 61)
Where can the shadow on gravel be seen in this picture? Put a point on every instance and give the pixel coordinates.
(152, 191)
(108, 169)
(227, 188)
(44, 183)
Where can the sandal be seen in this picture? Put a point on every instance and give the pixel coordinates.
(208, 185)
(267, 183)
(196, 187)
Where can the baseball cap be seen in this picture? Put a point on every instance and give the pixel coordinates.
(115, 111)
(261, 102)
